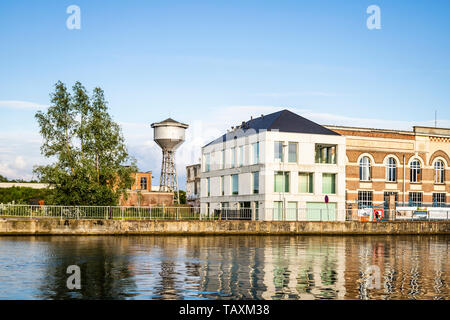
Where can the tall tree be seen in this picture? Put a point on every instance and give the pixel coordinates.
(87, 146)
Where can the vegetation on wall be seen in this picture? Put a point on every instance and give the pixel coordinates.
(23, 195)
(88, 148)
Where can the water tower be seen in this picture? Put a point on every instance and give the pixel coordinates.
(169, 135)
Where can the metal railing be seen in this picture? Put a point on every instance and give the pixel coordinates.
(197, 213)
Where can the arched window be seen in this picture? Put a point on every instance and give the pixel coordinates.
(415, 171)
(439, 171)
(364, 169)
(391, 170)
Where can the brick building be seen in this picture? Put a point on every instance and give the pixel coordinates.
(141, 194)
(193, 185)
(408, 167)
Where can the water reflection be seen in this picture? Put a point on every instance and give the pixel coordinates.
(231, 267)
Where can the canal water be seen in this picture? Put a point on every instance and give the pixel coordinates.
(229, 267)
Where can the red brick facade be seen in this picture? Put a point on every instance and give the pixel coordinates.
(378, 145)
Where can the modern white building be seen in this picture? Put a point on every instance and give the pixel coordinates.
(279, 166)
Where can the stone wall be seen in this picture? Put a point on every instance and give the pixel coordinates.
(24, 226)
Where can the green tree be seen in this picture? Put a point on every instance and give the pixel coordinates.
(87, 146)
(182, 196)
(3, 179)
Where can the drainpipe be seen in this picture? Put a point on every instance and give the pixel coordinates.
(404, 172)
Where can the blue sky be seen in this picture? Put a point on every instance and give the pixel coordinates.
(213, 64)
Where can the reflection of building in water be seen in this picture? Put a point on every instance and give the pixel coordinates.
(233, 268)
(314, 270)
(409, 268)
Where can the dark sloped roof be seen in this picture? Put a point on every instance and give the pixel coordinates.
(282, 121)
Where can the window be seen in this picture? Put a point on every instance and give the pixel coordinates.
(208, 185)
(195, 188)
(222, 185)
(278, 150)
(292, 148)
(439, 172)
(305, 182)
(256, 153)
(277, 210)
(387, 195)
(223, 159)
(235, 184)
(225, 205)
(233, 157)
(143, 183)
(241, 156)
(281, 182)
(325, 153)
(255, 182)
(391, 170)
(256, 203)
(328, 183)
(415, 171)
(207, 162)
(365, 199)
(415, 199)
(195, 172)
(364, 169)
(291, 211)
(439, 199)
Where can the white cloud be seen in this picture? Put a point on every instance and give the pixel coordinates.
(19, 151)
(21, 105)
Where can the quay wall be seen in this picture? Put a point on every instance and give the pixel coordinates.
(27, 226)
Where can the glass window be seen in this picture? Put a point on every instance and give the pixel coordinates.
(223, 159)
(291, 211)
(241, 156)
(415, 171)
(415, 199)
(207, 162)
(278, 150)
(439, 172)
(222, 184)
(208, 184)
(328, 183)
(281, 182)
(325, 153)
(292, 148)
(256, 153)
(277, 210)
(143, 183)
(365, 199)
(391, 170)
(255, 182)
(235, 184)
(387, 195)
(364, 169)
(439, 199)
(233, 157)
(305, 182)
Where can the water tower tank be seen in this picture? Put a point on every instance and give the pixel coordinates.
(169, 135)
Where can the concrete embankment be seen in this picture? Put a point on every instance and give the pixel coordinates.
(23, 226)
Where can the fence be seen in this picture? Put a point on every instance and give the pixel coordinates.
(195, 213)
